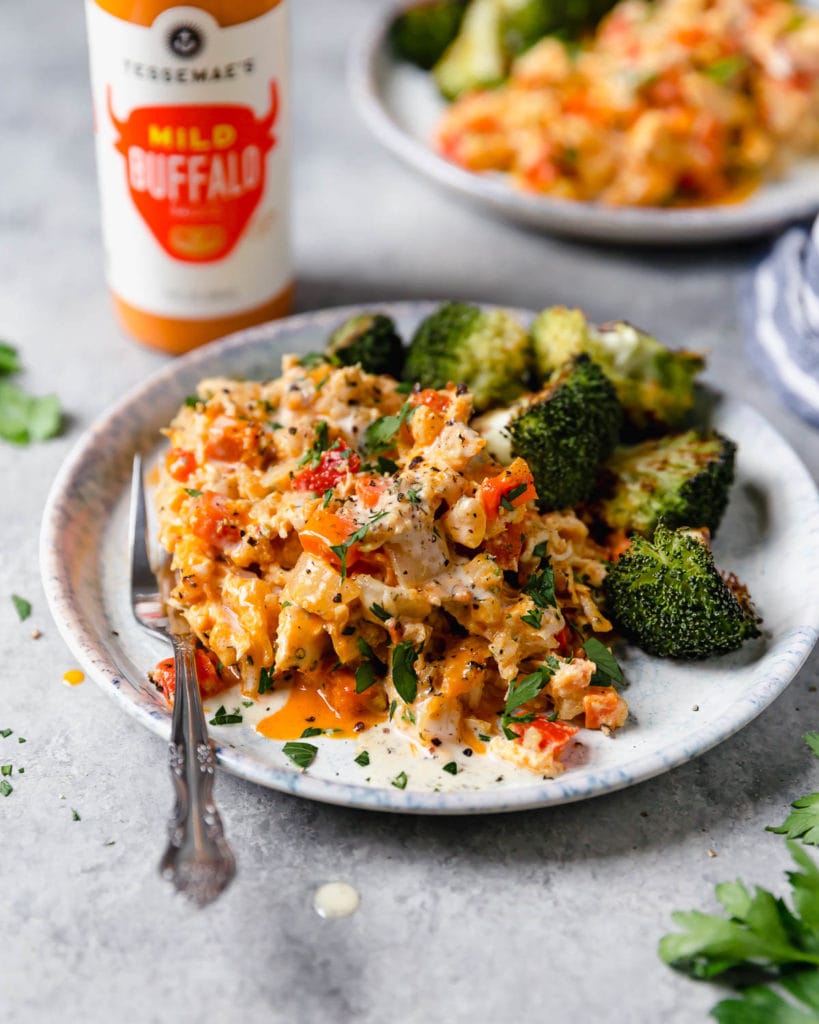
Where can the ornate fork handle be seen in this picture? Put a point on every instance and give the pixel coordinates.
(198, 859)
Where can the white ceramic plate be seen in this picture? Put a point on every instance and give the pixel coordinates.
(402, 107)
(770, 538)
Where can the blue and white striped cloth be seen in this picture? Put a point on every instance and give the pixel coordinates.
(781, 311)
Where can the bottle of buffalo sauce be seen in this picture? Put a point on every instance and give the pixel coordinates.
(191, 118)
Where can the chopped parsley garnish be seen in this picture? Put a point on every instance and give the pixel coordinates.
(393, 706)
(191, 401)
(321, 442)
(265, 680)
(193, 492)
(364, 677)
(363, 759)
(540, 550)
(340, 550)
(22, 606)
(21, 739)
(724, 69)
(533, 618)
(400, 781)
(223, 717)
(386, 466)
(75, 814)
(311, 730)
(404, 676)
(483, 737)
(313, 359)
(524, 691)
(25, 418)
(509, 497)
(380, 436)
(408, 715)
(413, 496)
(452, 768)
(6, 769)
(301, 754)
(541, 587)
(5, 733)
(379, 612)
(608, 671)
(328, 497)
(6, 788)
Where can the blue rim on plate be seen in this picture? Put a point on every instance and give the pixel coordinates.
(399, 104)
(770, 536)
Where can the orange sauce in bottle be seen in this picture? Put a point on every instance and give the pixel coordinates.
(193, 139)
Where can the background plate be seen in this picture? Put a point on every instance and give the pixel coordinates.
(770, 538)
(402, 106)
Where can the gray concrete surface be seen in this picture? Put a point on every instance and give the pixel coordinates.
(551, 916)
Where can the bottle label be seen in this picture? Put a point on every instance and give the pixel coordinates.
(192, 155)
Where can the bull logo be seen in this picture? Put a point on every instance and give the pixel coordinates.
(196, 173)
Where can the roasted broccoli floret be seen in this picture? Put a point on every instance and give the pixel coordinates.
(371, 340)
(421, 34)
(488, 351)
(654, 384)
(526, 21)
(476, 58)
(681, 479)
(566, 431)
(667, 596)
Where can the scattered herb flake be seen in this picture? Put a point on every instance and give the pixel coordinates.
(483, 737)
(24, 418)
(301, 754)
(311, 730)
(75, 814)
(413, 496)
(541, 587)
(380, 435)
(533, 618)
(328, 497)
(223, 717)
(379, 612)
(22, 606)
(393, 706)
(20, 739)
(6, 769)
(9, 360)
(540, 550)
(452, 768)
(364, 677)
(5, 733)
(193, 492)
(400, 781)
(265, 680)
(404, 676)
(524, 691)
(191, 401)
(6, 788)
(321, 442)
(608, 671)
(363, 759)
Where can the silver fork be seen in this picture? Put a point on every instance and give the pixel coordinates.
(198, 859)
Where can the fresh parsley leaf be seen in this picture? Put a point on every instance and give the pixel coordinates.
(393, 706)
(533, 618)
(9, 360)
(404, 676)
(408, 715)
(761, 1005)
(311, 730)
(379, 612)
(6, 788)
(452, 768)
(413, 496)
(524, 691)
(759, 931)
(5, 733)
(483, 737)
(386, 467)
(812, 740)
(22, 606)
(608, 671)
(803, 821)
(193, 492)
(191, 401)
(540, 550)
(363, 759)
(380, 435)
(724, 69)
(321, 442)
(6, 769)
(510, 495)
(301, 754)
(223, 717)
(364, 677)
(24, 418)
(265, 680)
(328, 497)
(341, 550)
(400, 781)
(541, 587)
(75, 815)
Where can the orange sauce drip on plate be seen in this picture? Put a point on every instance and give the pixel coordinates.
(306, 708)
(73, 677)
